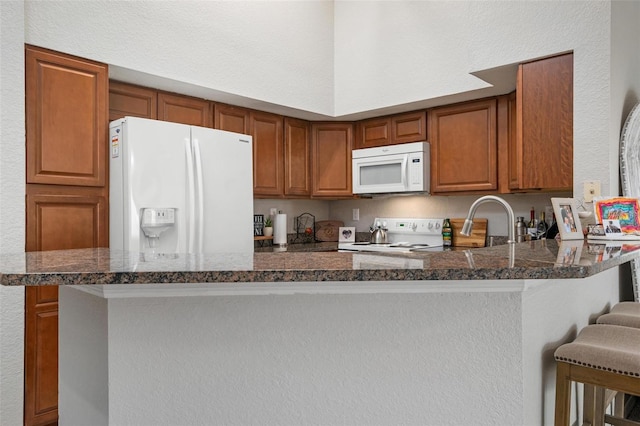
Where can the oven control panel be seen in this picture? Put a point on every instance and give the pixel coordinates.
(412, 225)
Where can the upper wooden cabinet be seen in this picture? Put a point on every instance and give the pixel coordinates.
(297, 158)
(331, 145)
(185, 110)
(464, 147)
(268, 157)
(129, 100)
(66, 119)
(231, 118)
(402, 128)
(543, 157)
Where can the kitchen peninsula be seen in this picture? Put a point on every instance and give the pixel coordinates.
(461, 337)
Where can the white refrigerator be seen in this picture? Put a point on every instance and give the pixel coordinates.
(176, 188)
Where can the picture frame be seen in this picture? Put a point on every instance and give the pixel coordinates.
(622, 212)
(566, 212)
(347, 234)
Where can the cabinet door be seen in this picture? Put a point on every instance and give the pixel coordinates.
(231, 118)
(65, 217)
(411, 127)
(57, 218)
(374, 132)
(464, 147)
(41, 356)
(297, 158)
(66, 119)
(268, 156)
(129, 100)
(331, 145)
(545, 124)
(185, 110)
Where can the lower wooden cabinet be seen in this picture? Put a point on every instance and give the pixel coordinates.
(58, 218)
(464, 147)
(331, 145)
(41, 356)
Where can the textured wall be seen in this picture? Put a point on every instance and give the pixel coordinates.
(12, 227)
(275, 52)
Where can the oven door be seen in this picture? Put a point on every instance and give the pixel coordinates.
(375, 175)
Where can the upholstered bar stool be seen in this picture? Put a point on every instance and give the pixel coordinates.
(626, 314)
(605, 356)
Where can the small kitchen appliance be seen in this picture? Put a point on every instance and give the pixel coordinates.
(392, 169)
(403, 236)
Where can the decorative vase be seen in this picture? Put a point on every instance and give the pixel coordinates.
(268, 231)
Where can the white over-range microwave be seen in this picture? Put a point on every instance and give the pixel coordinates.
(391, 169)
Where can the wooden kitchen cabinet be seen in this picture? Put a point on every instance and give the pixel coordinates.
(297, 158)
(185, 110)
(130, 100)
(542, 152)
(66, 119)
(231, 118)
(396, 129)
(331, 145)
(268, 156)
(464, 147)
(66, 197)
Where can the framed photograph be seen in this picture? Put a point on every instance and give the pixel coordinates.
(567, 218)
(347, 234)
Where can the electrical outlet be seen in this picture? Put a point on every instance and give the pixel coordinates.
(273, 211)
(591, 189)
(356, 214)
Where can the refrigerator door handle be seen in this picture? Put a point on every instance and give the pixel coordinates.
(200, 194)
(191, 190)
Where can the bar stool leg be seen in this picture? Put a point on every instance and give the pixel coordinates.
(563, 394)
(589, 405)
(600, 406)
(619, 405)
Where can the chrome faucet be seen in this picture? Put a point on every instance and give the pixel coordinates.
(468, 223)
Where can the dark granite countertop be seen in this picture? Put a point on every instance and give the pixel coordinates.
(544, 259)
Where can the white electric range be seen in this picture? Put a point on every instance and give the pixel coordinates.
(403, 236)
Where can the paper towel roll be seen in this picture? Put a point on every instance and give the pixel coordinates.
(280, 229)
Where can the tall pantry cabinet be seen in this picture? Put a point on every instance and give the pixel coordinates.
(66, 197)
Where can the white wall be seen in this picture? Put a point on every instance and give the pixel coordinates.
(275, 52)
(12, 226)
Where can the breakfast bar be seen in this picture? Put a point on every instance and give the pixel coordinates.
(314, 337)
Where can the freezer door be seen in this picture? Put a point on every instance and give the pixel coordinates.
(151, 171)
(224, 188)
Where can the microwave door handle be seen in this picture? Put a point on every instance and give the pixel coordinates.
(405, 172)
